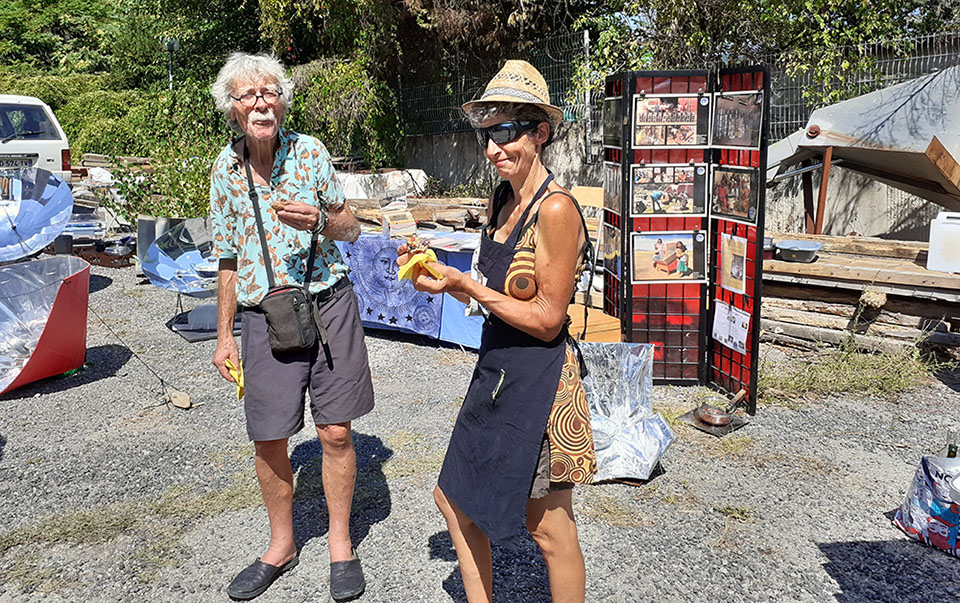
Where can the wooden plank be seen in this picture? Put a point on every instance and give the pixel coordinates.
(849, 311)
(596, 299)
(831, 336)
(931, 293)
(927, 278)
(929, 310)
(786, 340)
(870, 246)
(944, 161)
(588, 196)
(840, 323)
(600, 327)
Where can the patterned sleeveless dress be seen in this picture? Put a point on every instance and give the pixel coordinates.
(573, 458)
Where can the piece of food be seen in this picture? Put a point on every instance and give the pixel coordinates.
(417, 245)
(278, 205)
(421, 258)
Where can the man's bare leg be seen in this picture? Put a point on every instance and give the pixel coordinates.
(276, 486)
(339, 473)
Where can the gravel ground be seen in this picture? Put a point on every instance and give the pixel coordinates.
(108, 495)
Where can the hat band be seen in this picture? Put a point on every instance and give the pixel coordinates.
(521, 95)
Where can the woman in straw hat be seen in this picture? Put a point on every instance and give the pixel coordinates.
(523, 438)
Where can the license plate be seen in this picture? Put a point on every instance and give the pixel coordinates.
(15, 164)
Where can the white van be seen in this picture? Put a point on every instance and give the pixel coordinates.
(31, 136)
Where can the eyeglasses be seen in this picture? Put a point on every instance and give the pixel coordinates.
(250, 99)
(503, 133)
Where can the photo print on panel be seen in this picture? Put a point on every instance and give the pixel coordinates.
(733, 262)
(668, 189)
(667, 257)
(737, 119)
(612, 122)
(671, 120)
(612, 183)
(734, 193)
(611, 249)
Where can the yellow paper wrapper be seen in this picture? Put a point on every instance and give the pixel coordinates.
(237, 374)
(421, 259)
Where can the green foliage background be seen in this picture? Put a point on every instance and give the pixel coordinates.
(100, 66)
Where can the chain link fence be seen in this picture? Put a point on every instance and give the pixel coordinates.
(435, 108)
(795, 97)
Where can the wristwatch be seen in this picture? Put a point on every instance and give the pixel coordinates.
(321, 223)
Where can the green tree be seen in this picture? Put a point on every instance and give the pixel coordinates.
(64, 35)
(823, 36)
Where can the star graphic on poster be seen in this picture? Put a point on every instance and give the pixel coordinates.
(390, 301)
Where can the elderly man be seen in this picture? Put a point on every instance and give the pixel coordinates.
(299, 201)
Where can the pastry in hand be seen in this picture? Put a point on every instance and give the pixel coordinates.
(420, 255)
(417, 245)
(278, 205)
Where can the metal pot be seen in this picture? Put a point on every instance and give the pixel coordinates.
(712, 415)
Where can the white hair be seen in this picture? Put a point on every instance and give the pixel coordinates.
(241, 67)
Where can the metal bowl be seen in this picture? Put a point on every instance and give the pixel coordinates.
(798, 251)
(711, 415)
(118, 250)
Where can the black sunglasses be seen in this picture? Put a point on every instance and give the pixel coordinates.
(506, 132)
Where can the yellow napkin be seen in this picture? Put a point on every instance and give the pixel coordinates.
(421, 259)
(237, 374)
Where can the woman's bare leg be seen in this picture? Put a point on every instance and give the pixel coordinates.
(473, 550)
(550, 521)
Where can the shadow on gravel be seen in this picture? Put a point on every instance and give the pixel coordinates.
(518, 575)
(98, 283)
(371, 496)
(3, 442)
(891, 571)
(102, 361)
(950, 378)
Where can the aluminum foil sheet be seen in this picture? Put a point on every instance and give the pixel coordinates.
(27, 293)
(629, 437)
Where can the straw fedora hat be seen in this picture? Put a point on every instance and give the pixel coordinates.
(518, 82)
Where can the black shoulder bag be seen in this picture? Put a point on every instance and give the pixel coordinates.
(287, 308)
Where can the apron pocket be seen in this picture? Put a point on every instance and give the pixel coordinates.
(484, 392)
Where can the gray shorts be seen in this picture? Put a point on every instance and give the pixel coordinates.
(275, 384)
(542, 485)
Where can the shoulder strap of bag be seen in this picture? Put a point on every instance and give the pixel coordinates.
(255, 201)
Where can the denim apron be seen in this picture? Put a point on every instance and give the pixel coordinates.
(492, 457)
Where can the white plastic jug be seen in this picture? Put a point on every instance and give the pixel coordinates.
(944, 252)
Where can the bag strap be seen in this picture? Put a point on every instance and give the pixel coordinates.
(255, 201)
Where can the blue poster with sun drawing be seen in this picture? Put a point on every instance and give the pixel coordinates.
(385, 301)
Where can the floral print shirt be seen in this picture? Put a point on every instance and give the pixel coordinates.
(302, 171)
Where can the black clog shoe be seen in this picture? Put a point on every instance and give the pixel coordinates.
(257, 577)
(346, 579)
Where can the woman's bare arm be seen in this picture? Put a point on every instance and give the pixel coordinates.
(559, 240)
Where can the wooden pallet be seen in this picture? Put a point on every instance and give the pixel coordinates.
(600, 327)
